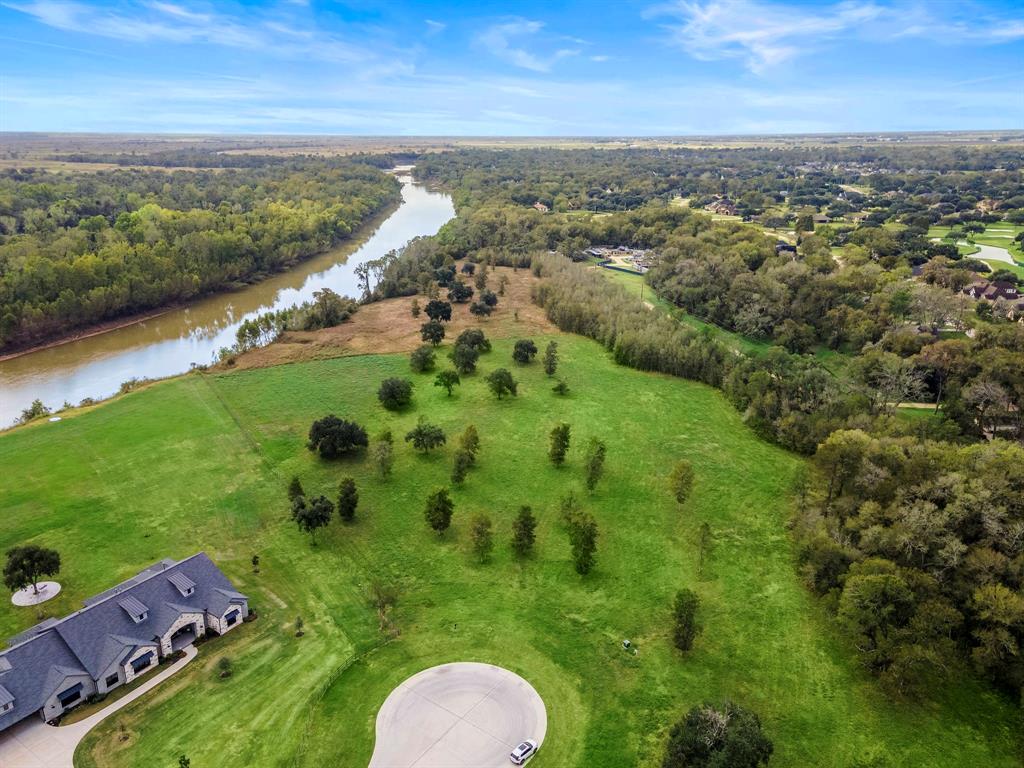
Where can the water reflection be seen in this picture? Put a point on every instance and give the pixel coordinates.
(170, 343)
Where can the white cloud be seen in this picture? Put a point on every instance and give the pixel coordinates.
(435, 27)
(497, 39)
(765, 35)
(762, 35)
(280, 35)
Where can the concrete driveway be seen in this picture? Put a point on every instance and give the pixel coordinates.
(463, 715)
(34, 744)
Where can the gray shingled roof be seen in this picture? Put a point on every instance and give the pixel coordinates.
(90, 640)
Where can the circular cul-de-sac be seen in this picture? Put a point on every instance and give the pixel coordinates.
(462, 714)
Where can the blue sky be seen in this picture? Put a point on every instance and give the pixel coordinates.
(526, 68)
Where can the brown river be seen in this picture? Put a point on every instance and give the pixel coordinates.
(96, 366)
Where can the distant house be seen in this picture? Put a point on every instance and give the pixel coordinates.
(783, 247)
(983, 289)
(820, 218)
(116, 637)
(722, 206)
(539, 206)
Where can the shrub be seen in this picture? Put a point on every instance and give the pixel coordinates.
(422, 359)
(482, 537)
(714, 737)
(524, 351)
(685, 627)
(224, 666)
(559, 444)
(475, 338)
(432, 331)
(459, 292)
(332, 437)
(394, 393)
(425, 436)
(501, 383)
(439, 310)
(523, 535)
(439, 511)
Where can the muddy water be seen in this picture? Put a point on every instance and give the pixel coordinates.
(162, 346)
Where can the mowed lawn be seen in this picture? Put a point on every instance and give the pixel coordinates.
(202, 462)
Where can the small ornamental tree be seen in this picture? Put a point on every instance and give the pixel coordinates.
(551, 358)
(448, 379)
(27, 564)
(464, 358)
(583, 539)
(224, 666)
(415, 308)
(439, 511)
(560, 388)
(523, 532)
(255, 563)
(501, 383)
(595, 462)
(332, 437)
(490, 298)
(295, 488)
(681, 481)
(459, 292)
(425, 436)
(394, 393)
(480, 309)
(461, 464)
(384, 454)
(468, 268)
(439, 310)
(348, 500)
(684, 615)
(723, 736)
(432, 332)
(469, 442)
(422, 359)
(524, 351)
(482, 537)
(559, 444)
(312, 515)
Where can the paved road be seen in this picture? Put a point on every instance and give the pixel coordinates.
(463, 715)
(34, 744)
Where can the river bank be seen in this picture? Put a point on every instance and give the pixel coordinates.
(95, 363)
(357, 238)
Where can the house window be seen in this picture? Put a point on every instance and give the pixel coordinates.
(231, 618)
(111, 680)
(70, 696)
(7, 707)
(142, 662)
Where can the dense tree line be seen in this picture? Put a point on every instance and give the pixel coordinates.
(919, 547)
(81, 248)
(894, 180)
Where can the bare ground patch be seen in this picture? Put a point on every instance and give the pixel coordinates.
(388, 326)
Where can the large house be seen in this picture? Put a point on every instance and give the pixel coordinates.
(117, 636)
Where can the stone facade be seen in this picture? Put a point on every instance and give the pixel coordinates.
(130, 673)
(199, 619)
(219, 624)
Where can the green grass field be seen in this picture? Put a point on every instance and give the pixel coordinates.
(202, 462)
(1001, 235)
